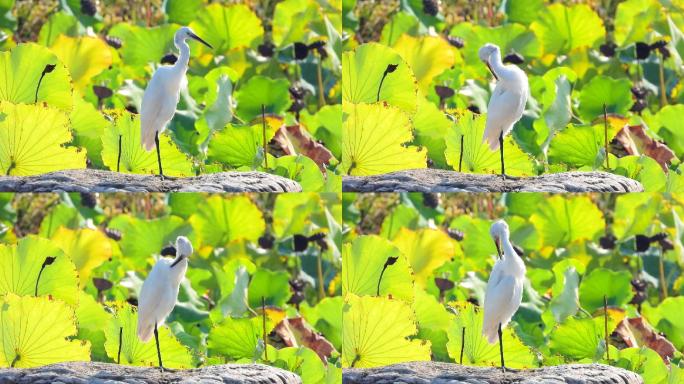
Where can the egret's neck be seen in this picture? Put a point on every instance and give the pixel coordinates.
(184, 58)
(510, 255)
(500, 70)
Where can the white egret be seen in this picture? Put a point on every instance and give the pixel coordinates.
(504, 288)
(163, 92)
(160, 291)
(508, 100)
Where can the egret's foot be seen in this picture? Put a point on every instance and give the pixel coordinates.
(508, 177)
(509, 370)
(169, 178)
(169, 370)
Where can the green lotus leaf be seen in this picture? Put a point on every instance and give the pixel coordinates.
(433, 323)
(477, 156)
(292, 214)
(85, 57)
(228, 27)
(22, 263)
(302, 170)
(476, 348)
(478, 245)
(374, 138)
(363, 72)
(427, 56)
(240, 146)
(561, 221)
(647, 363)
(523, 11)
(633, 21)
(259, 90)
(580, 338)
(88, 126)
(625, 223)
(238, 338)
(182, 11)
(273, 286)
(218, 97)
(87, 248)
(363, 262)
(20, 72)
(645, 170)
(291, 21)
(401, 217)
(509, 37)
(600, 282)
(141, 46)
(302, 361)
(61, 215)
(59, 23)
(432, 126)
(326, 316)
(377, 331)
(561, 29)
(580, 146)
(32, 138)
(142, 238)
(51, 324)
(399, 24)
(135, 352)
(426, 250)
(600, 90)
(134, 158)
(90, 316)
(326, 126)
(666, 317)
(668, 124)
(220, 221)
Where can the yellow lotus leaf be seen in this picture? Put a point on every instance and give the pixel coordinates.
(426, 249)
(85, 57)
(87, 248)
(428, 57)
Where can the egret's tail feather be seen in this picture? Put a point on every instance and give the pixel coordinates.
(147, 139)
(491, 333)
(492, 140)
(145, 331)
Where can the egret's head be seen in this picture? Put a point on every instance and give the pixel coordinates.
(487, 50)
(183, 247)
(498, 231)
(185, 33)
(486, 53)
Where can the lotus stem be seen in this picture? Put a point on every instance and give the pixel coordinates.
(48, 68)
(390, 261)
(118, 354)
(460, 359)
(48, 261)
(605, 325)
(118, 158)
(605, 134)
(460, 155)
(263, 132)
(263, 318)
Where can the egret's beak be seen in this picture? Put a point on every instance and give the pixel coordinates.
(200, 40)
(497, 242)
(491, 70)
(178, 260)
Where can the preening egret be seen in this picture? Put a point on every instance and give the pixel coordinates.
(163, 92)
(508, 100)
(160, 291)
(504, 288)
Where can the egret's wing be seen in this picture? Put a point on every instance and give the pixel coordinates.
(153, 290)
(158, 107)
(504, 109)
(498, 303)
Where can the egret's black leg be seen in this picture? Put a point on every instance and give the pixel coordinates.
(156, 339)
(118, 355)
(156, 142)
(501, 144)
(503, 364)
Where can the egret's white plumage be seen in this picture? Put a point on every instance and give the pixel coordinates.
(160, 290)
(505, 285)
(163, 92)
(507, 103)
